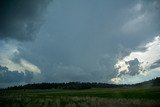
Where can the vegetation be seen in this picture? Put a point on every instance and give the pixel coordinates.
(145, 94)
(79, 85)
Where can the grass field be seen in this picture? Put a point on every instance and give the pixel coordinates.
(99, 97)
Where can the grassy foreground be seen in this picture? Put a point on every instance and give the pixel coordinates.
(100, 97)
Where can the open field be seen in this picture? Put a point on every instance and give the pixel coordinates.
(97, 97)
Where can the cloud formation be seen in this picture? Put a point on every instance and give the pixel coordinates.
(79, 40)
(7, 76)
(10, 57)
(20, 19)
(142, 15)
(139, 62)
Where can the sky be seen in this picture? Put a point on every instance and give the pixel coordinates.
(110, 41)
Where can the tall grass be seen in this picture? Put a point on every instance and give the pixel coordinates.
(138, 97)
(78, 102)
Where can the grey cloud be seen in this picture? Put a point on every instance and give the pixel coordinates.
(143, 20)
(69, 73)
(72, 43)
(133, 67)
(155, 64)
(80, 35)
(20, 19)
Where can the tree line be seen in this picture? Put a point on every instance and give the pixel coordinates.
(82, 85)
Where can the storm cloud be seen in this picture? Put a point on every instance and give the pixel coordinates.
(20, 19)
(81, 40)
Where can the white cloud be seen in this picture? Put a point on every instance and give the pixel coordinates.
(8, 54)
(139, 63)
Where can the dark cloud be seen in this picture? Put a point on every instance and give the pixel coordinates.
(80, 40)
(155, 64)
(79, 34)
(133, 67)
(20, 19)
(7, 76)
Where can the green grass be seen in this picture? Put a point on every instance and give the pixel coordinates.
(149, 96)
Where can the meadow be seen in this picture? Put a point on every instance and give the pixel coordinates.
(94, 97)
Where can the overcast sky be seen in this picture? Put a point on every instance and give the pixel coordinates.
(111, 41)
